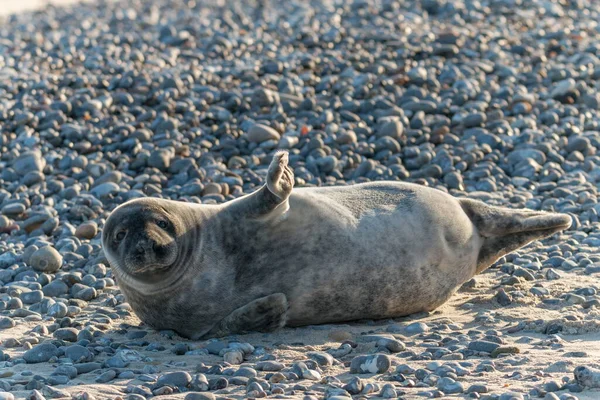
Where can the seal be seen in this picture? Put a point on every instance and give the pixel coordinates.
(314, 255)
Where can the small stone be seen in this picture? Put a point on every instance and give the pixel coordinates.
(277, 377)
(199, 383)
(35, 296)
(87, 230)
(46, 260)
(355, 386)
(40, 353)
(477, 388)
(306, 373)
(176, 379)
(261, 133)
(218, 384)
(55, 288)
(575, 299)
(66, 370)
(551, 386)
(483, 346)
(416, 328)
(264, 97)
(84, 368)
(160, 159)
(86, 294)
(234, 357)
(105, 190)
(505, 350)
(13, 209)
(270, 366)
(29, 161)
(503, 298)
(393, 129)
(106, 376)
(388, 391)
(552, 275)
(393, 345)
(179, 349)
(67, 334)
(563, 88)
(323, 359)
(371, 364)
(450, 386)
(7, 323)
(79, 354)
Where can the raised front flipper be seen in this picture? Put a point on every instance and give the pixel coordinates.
(505, 230)
(272, 198)
(266, 314)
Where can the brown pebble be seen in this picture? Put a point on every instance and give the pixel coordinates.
(211, 188)
(87, 230)
(505, 350)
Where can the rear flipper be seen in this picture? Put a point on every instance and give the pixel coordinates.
(505, 230)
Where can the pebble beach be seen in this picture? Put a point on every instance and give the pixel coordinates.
(107, 101)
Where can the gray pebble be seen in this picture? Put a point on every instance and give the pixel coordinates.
(40, 353)
(372, 364)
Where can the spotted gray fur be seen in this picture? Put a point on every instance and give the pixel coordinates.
(311, 256)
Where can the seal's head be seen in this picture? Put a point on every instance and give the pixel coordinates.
(140, 239)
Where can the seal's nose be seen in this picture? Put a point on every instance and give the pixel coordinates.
(145, 245)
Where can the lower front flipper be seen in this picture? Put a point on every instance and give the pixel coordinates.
(266, 314)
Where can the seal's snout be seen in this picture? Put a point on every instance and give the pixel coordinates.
(144, 246)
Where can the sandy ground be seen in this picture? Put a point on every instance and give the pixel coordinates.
(472, 308)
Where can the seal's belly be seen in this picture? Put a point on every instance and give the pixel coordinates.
(391, 291)
(386, 259)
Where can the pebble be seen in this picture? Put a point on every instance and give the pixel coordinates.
(416, 328)
(46, 260)
(272, 366)
(66, 334)
(450, 386)
(234, 357)
(261, 133)
(106, 377)
(7, 323)
(388, 391)
(87, 230)
(323, 359)
(372, 364)
(40, 353)
(176, 379)
(79, 353)
(29, 161)
(483, 346)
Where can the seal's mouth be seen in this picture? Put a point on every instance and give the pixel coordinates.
(150, 269)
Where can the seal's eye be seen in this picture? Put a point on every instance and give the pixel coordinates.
(119, 236)
(162, 224)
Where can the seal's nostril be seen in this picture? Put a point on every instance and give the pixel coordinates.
(144, 246)
(139, 247)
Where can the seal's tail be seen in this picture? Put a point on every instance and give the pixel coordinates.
(505, 230)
